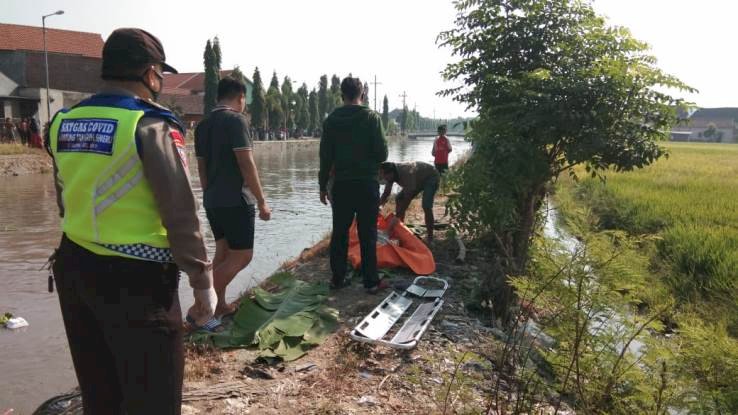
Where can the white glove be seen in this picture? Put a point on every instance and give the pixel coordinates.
(207, 300)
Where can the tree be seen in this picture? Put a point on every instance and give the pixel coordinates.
(315, 118)
(218, 55)
(404, 118)
(274, 104)
(301, 109)
(323, 97)
(365, 97)
(554, 88)
(334, 96)
(237, 74)
(288, 102)
(385, 112)
(258, 104)
(211, 78)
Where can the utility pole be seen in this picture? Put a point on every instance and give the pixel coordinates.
(375, 83)
(46, 64)
(403, 96)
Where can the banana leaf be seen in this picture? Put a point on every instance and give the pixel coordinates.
(283, 323)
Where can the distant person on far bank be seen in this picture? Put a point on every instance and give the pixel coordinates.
(414, 178)
(352, 145)
(231, 188)
(441, 150)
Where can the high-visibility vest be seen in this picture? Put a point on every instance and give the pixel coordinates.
(109, 207)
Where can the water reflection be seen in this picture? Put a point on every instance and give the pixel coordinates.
(37, 364)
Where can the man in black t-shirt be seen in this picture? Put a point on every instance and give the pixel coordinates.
(230, 183)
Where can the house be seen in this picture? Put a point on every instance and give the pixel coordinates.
(75, 60)
(712, 125)
(184, 93)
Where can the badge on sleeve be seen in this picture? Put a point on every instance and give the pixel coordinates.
(180, 144)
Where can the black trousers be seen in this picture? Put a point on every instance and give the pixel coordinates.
(360, 199)
(124, 326)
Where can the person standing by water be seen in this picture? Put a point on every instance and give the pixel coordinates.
(414, 178)
(117, 266)
(231, 187)
(441, 149)
(36, 141)
(352, 145)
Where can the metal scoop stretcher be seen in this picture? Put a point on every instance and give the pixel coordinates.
(375, 326)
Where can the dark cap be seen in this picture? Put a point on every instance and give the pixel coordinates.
(129, 48)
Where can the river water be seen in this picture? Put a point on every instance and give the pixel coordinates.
(35, 363)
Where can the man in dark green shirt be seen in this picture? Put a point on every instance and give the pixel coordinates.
(351, 148)
(230, 184)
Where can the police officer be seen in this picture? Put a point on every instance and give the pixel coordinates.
(129, 226)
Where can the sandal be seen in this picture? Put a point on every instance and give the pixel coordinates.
(213, 325)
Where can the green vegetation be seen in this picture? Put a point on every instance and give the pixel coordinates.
(211, 58)
(258, 107)
(554, 87)
(690, 202)
(324, 99)
(668, 236)
(385, 113)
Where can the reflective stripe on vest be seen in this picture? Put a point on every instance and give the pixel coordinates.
(109, 208)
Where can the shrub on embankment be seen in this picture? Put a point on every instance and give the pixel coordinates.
(690, 202)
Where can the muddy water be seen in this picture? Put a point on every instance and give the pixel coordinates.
(35, 362)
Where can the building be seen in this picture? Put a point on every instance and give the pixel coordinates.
(709, 125)
(75, 60)
(184, 93)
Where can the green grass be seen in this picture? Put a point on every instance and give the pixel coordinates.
(689, 201)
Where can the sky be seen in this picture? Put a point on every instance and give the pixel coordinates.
(394, 40)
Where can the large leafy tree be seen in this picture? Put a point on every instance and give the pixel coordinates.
(554, 87)
(211, 78)
(385, 112)
(258, 108)
(323, 98)
(315, 118)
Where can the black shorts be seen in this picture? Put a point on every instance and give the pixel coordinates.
(442, 168)
(235, 224)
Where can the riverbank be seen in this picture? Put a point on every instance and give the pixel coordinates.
(16, 160)
(446, 370)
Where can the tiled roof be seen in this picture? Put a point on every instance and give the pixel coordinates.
(188, 104)
(17, 37)
(188, 83)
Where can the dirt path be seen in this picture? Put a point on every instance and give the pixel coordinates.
(346, 377)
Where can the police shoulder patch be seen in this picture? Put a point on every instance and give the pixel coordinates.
(179, 142)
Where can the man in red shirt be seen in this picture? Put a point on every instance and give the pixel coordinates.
(441, 148)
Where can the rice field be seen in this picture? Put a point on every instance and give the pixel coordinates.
(689, 201)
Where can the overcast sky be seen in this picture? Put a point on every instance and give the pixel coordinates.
(394, 40)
